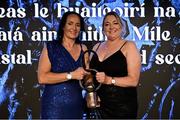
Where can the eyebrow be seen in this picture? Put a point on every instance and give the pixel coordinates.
(73, 22)
(112, 21)
(115, 21)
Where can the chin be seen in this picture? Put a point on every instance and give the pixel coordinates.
(73, 37)
(111, 38)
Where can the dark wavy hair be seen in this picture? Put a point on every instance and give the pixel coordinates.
(60, 33)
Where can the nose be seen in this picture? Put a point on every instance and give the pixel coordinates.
(111, 26)
(74, 27)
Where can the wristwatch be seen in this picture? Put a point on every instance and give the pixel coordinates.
(69, 76)
(113, 81)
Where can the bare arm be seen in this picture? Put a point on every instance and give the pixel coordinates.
(45, 76)
(133, 66)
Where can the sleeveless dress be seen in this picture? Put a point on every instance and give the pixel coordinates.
(62, 100)
(116, 102)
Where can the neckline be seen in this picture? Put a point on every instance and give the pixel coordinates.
(71, 55)
(112, 53)
(108, 56)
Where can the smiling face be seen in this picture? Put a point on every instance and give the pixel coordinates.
(72, 27)
(112, 27)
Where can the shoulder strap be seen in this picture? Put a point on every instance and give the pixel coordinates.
(123, 45)
(81, 47)
(98, 46)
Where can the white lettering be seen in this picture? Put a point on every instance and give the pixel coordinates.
(154, 34)
(16, 58)
(40, 12)
(143, 57)
(168, 59)
(12, 12)
(44, 35)
(11, 36)
(100, 11)
(161, 12)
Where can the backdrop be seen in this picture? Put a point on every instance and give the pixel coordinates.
(152, 24)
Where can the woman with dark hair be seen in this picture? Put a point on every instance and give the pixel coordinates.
(60, 69)
(118, 64)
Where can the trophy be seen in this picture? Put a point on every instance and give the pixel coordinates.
(90, 84)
